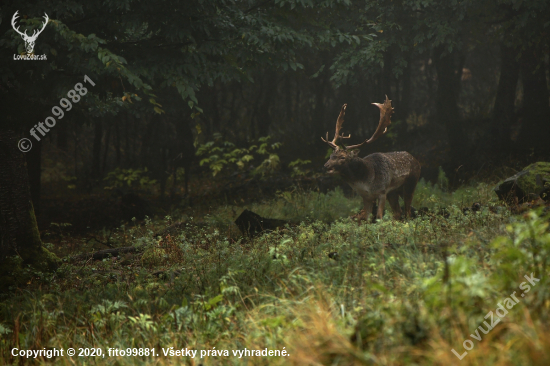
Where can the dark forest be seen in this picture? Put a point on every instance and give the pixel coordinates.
(169, 192)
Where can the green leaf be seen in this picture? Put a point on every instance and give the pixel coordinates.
(247, 158)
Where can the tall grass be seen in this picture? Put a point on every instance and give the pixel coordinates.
(389, 293)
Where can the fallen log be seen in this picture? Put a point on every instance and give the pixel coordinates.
(252, 224)
(175, 272)
(101, 254)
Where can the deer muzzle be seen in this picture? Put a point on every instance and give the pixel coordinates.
(329, 168)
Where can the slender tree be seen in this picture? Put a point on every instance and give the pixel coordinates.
(20, 241)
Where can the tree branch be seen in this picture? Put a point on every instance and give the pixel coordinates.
(257, 6)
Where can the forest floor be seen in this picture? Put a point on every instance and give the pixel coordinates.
(323, 290)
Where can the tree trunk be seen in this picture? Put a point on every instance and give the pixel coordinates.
(185, 151)
(62, 130)
(535, 129)
(403, 111)
(75, 152)
(406, 93)
(34, 171)
(96, 151)
(504, 103)
(117, 144)
(19, 234)
(106, 150)
(319, 113)
(263, 119)
(215, 95)
(387, 75)
(449, 73)
(128, 155)
(288, 98)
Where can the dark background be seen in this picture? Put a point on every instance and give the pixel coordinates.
(468, 80)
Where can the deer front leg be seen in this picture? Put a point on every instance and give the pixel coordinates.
(381, 204)
(367, 203)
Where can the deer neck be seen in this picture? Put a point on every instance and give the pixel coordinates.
(357, 170)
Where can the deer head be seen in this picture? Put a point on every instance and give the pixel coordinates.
(342, 155)
(29, 40)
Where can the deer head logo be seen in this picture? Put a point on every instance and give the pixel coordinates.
(29, 40)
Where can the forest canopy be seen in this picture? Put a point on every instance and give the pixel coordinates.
(472, 74)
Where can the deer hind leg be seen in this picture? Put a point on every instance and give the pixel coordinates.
(408, 193)
(381, 204)
(393, 198)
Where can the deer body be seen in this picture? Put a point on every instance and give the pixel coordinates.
(379, 176)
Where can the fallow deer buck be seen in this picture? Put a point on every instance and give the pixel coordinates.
(377, 176)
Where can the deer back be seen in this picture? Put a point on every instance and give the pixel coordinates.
(390, 170)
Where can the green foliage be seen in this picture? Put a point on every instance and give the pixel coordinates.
(394, 286)
(129, 178)
(223, 156)
(526, 249)
(153, 257)
(442, 180)
(433, 196)
(310, 206)
(4, 331)
(295, 205)
(297, 168)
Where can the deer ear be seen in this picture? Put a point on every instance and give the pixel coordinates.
(354, 153)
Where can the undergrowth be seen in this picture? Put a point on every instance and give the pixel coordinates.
(327, 290)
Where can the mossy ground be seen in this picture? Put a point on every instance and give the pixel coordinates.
(528, 183)
(396, 293)
(16, 271)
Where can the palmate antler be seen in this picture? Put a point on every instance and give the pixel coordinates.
(386, 111)
(339, 123)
